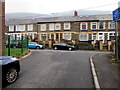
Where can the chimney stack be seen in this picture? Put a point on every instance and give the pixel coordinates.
(75, 13)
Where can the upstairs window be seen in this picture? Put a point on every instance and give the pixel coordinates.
(84, 26)
(111, 25)
(57, 26)
(11, 28)
(101, 25)
(20, 27)
(66, 26)
(30, 27)
(51, 27)
(94, 25)
(43, 27)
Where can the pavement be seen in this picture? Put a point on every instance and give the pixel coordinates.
(107, 72)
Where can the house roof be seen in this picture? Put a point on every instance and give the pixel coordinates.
(59, 19)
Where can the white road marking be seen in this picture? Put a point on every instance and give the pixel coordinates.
(95, 77)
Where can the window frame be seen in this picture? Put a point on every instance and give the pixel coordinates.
(43, 34)
(68, 28)
(100, 35)
(53, 27)
(20, 27)
(109, 25)
(85, 26)
(58, 25)
(67, 36)
(93, 36)
(30, 27)
(43, 25)
(99, 26)
(11, 30)
(95, 24)
(82, 38)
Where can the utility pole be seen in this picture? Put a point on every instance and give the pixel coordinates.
(2, 27)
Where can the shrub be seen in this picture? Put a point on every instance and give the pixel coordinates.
(84, 46)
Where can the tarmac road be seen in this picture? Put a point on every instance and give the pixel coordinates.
(55, 69)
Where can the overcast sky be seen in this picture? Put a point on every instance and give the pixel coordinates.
(54, 6)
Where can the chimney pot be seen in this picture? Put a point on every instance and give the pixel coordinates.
(75, 13)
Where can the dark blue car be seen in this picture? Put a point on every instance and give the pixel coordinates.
(10, 68)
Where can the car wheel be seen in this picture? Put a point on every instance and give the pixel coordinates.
(37, 47)
(11, 75)
(70, 49)
(55, 48)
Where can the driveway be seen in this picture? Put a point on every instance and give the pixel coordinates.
(55, 69)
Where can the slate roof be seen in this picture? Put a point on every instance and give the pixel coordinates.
(60, 19)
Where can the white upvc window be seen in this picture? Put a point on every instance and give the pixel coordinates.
(43, 27)
(30, 35)
(30, 27)
(94, 25)
(43, 37)
(11, 28)
(67, 36)
(101, 25)
(66, 26)
(83, 37)
(51, 27)
(18, 36)
(100, 36)
(111, 25)
(57, 26)
(84, 26)
(20, 27)
(112, 36)
(94, 36)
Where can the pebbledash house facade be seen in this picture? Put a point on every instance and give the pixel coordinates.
(64, 28)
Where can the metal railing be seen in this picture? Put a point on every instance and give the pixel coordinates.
(15, 46)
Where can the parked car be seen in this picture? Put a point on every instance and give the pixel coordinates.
(10, 69)
(63, 46)
(35, 45)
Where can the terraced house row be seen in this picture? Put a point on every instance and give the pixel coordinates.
(70, 28)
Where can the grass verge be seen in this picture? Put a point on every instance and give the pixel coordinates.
(16, 52)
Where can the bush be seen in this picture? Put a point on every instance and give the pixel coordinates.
(84, 46)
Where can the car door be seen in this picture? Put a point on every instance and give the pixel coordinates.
(31, 45)
(63, 46)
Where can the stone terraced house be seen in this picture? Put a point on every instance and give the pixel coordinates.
(64, 28)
